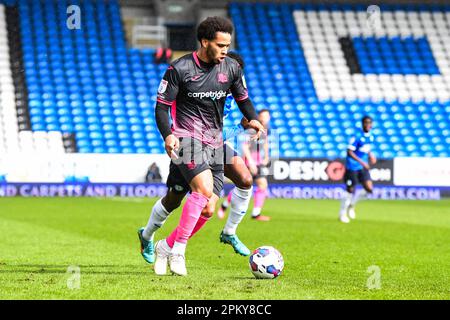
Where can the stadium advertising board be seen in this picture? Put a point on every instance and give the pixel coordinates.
(90, 190)
(95, 168)
(140, 190)
(322, 171)
(294, 178)
(422, 171)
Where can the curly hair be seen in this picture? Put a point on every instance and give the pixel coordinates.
(366, 117)
(208, 28)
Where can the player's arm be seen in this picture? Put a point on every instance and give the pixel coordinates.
(372, 158)
(353, 155)
(353, 145)
(167, 93)
(229, 133)
(248, 110)
(240, 95)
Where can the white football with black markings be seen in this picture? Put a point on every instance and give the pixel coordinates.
(266, 263)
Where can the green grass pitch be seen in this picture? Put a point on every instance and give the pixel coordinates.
(324, 259)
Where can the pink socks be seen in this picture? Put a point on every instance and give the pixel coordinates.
(260, 196)
(189, 219)
(200, 223)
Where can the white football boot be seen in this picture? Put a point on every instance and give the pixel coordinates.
(351, 212)
(162, 251)
(343, 217)
(177, 264)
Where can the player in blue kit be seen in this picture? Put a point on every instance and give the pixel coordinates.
(359, 160)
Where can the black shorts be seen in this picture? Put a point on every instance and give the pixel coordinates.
(176, 182)
(193, 158)
(352, 177)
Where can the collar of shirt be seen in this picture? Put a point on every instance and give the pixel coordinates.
(203, 64)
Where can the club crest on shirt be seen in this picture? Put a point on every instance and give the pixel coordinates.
(222, 78)
(162, 86)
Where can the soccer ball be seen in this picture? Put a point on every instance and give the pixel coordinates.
(266, 263)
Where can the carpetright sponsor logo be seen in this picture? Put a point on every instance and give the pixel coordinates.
(209, 94)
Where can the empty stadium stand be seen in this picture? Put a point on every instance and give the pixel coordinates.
(85, 81)
(8, 118)
(318, 68)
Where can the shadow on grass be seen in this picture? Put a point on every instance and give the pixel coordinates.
(62, 269)
(242, 278)
(67, 265)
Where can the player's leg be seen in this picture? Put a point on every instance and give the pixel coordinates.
(206, 214)
(164, 250)
(368, 186)
(208, 211)
(365, 180)
(177, 189)
(160, 211)
(193, 163)
(175, 244)
(350, 182)
(260, 197)
(238, 173)
(224, 206)
(230, 157)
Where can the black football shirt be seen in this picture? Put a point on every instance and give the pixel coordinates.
(196, 93)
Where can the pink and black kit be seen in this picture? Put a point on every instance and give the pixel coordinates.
(195, 94)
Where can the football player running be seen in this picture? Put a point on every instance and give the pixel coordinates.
(194, 88)
(359, 160)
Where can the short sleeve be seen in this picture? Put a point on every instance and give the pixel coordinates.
(168, 87)
(353, 144)
(239, 86)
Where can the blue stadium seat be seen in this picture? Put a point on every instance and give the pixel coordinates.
(89, 83)
(92, 90)
(324, 126)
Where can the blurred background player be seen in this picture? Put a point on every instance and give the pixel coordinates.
(359, 160)
(257, 158)
(236, 170)
(153, 174)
